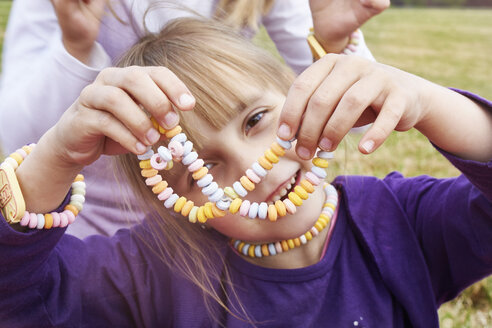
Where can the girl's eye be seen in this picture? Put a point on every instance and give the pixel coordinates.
(253, 120)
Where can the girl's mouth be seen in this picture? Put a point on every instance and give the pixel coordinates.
(283, 192)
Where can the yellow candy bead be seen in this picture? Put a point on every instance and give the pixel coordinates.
(218, 213)
(324, 216)
(301, 192)
(27, 149)
(72, 209)
(178, 206)
(269, 154)
(240, 246)
(324, 222)
(318, 226)
(48, 221)
(251, 251)
(285, 245)
(154, 123)
(247, 183)
(308, 186)
(264, 250)
(272, 213)
(280, 206)
(277, 149)
(192, 215)
(230, 192)
(79, 177)
(187, 208)
(294, 198)
(209, 214)
(169, 165)
(149, 173)
(145, 164)
(158, 188)
(297, 242)
(320, 162)
(235, 205)
(308, 235)
(18, 158)
(330, 205)
(200, 173)
(291, 244)
(174, 131)
(200, 215)
(265, 163)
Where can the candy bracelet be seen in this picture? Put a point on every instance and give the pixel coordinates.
(12, 202)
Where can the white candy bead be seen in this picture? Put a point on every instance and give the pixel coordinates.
(210, 189)
(78, 184)
(325, 154)
(239, 189)
(258, 251)
(12, 162)
(40, 221)
(216, 196)
(246, 248)
(223, 204)
(190, 158)
(78, 205)
(271, 249)
(319, 172)
(303, 239)
(77, 198)
(187, 147)
(165, 154)
(263, 210)
(253, 210)
(285, 144)
(170, 201)
(205, 181)
(78, 191)
(180, 137)
(147, 155)
(258, 169)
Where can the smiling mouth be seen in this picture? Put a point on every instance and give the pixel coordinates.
(283, 192)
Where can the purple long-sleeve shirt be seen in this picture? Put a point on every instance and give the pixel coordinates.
(400, 248)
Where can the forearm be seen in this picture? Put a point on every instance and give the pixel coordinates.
(458, 124)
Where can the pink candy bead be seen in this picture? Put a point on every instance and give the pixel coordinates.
(291, 208)
(244, 209)
(33, 222)
(152, 181)
(25, 219)
(351, 47)
(70, 216)
(176, 149)
(314, 231)
(21, 152)
(165, 194)
(56, 219)
(63, 220)
(311, 177)
(278, 247)
(253, 176)
(157, 163)
(196, 165)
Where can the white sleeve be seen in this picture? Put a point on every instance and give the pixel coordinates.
(40, 79)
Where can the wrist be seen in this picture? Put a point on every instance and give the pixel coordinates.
(79, 50)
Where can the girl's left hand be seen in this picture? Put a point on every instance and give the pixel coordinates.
(339, 92)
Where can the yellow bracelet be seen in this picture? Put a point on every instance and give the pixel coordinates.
(318, 51)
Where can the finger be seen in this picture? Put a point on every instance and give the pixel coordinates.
(386, 121)
(319, 109)
(299, 94)
(349, 110)
(376, 5)
(117, 102)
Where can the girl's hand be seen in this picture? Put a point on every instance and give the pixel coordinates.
(335, 20)
(339, 92)
(108, 117)
(79, 21)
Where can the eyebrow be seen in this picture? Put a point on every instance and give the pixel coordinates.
(247, 103)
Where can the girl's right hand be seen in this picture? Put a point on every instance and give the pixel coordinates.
(79, 22)
(108, 117)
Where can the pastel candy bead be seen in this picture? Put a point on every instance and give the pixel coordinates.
(40, 223)
(223, 204)
(174, 131)
(152, 181)
(78, 191)
(258, 251)
(311, 177)
(259, 170)
(247, 183)
(145, 164)
(180, 137)
(253, 210)
(165, 194)
(218, 213)
(271, 249)
(176, 149)
(25, 219)
(303, 239)
(284, 144)
(157, 163)
(21, 152)
(210, 189)
(78, 184)
(187, 147)
(263, 210)
(165, 154)
(196, 165)
(180, 203)
(265, 163)
(253, 176)
(147, 155)
(244, 209)
(192, 215)
(70, 216)
(294, 198)
(190, 158)
(63, 219)
(33, 220)
(280, 207)
(77, 205)
(12, 162)
(235, 205)
(239, 189)
(289, 206)
(230, 193)
(205, 181)
(200, 173)
(187, 207)
(314, 231)
(320, 162)
(170, 201)
(272, 213)
(319, 172)
(246, 249)
(56, 219)
(159, 187)
(236, 243)
(301, 192)
(277, 149)
(278, 247)
(325, 154)
(308, 186)
(48, 221)
(77, 198)
(216, 196)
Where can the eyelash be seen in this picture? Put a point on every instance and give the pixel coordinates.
(247, 127)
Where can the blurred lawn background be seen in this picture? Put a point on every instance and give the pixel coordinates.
(452, 47)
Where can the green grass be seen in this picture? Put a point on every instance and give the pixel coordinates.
(451, 47)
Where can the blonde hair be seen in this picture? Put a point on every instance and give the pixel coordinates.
(210, 59)
(243, 13)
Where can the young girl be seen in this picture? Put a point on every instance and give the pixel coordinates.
(53, 49)
(361, 252)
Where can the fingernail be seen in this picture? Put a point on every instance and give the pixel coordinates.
(303, 153)
(170, 120)
(284, 131)
(153, 136)
(368, 146)
(185, 100)
(140, 147)
(325, 144)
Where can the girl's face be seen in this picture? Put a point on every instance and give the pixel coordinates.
(230, 151)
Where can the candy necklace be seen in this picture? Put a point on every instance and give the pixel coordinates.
(270, 249)
(229, 198)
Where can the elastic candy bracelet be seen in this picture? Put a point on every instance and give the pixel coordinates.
(12, 202)
(318, 51)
